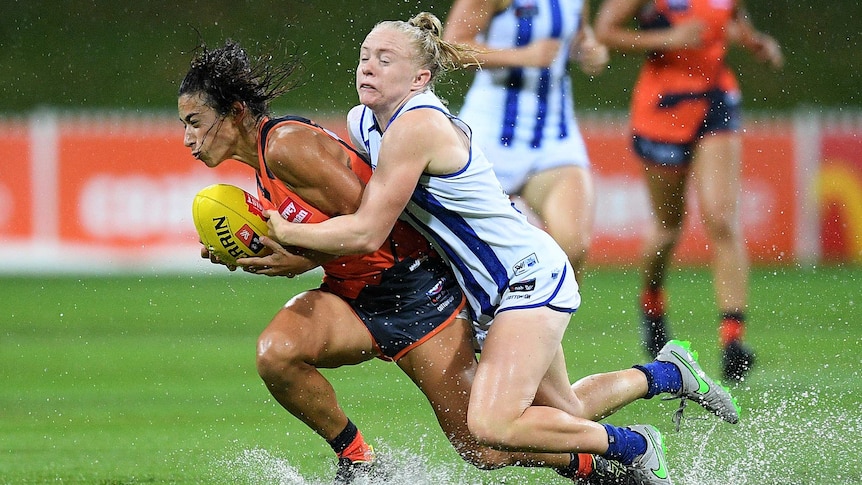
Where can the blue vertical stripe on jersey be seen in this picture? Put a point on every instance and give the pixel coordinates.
(471, 286)
(460, 229)
(544, 88)
(510, 116)
(542, 107)
(564, 126)
(514, 83)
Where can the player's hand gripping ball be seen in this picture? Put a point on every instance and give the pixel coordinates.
(230, 222)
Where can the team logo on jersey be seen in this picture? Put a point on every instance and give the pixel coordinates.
(440, 296)
(525, 264)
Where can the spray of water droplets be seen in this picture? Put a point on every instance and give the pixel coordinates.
(779, 441)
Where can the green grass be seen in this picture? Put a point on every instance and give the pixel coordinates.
(133, 380)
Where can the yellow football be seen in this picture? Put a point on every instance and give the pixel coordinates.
(230, 222)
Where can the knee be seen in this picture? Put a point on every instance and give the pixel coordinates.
(577, 247)
(484, 458)
(488, 429)
(664, 238)
(277, 356)
(721, 227)
(480, 456)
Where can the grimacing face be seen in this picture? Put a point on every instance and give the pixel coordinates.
(210, 136)
(386, 72)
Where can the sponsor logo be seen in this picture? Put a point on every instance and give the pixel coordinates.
(525, 264)
(248, 237)
(254, 205)
(528, 285)
(446, 303)
(226, 238)
(292, 211)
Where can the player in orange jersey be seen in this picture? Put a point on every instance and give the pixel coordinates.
(685, 117)
(397, 303)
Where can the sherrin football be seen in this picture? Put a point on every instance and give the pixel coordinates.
(230, 222)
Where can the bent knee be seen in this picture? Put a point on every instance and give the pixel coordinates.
(485, 458)
(277, 352)
(721, 228)
(489, 430)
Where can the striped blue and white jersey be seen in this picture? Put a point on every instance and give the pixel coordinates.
(491, 246)
(527, 109)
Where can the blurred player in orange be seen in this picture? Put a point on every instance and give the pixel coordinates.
(685, 117)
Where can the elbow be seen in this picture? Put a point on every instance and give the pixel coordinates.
(356, 243)
(602, 36)
(366, 243)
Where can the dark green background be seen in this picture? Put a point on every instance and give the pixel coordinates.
(130, 55)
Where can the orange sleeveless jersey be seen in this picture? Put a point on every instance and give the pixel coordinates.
(680, 78)
(347, 275)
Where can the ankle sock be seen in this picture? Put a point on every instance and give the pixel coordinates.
(653, 303)
(350, 444)
(661, 377)
(580, 466)
(732, 327)
(624, 445)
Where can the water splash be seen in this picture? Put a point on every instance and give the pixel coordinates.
(780, 440)
(397, 467)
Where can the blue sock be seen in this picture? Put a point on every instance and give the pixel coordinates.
(624, 445)
(661, 377)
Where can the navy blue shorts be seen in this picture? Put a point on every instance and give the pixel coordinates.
(724, 114)
(414, 300)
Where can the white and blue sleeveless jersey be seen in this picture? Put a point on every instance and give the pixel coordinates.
(527, 110)
(499, 258)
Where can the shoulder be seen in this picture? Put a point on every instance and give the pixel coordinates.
(421, 123)
(355, 114)
(429, 134)
(292, 147)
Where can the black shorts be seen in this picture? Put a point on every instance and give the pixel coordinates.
(414, 300)
(723, 115)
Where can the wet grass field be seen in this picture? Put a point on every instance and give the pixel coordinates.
(151, 379)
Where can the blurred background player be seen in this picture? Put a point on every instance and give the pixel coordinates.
(685, 118)
(520, 106)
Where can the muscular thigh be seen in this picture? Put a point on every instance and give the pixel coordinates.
(322, 328)
(443, 368)
(567, 187)
(516, 371)
(717, 170)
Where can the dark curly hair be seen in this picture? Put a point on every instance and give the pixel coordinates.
(227, 75)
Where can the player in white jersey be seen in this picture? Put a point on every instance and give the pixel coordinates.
(520, 106)
(426, 168)
(502, 260)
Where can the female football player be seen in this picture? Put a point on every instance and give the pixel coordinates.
(685, 124)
